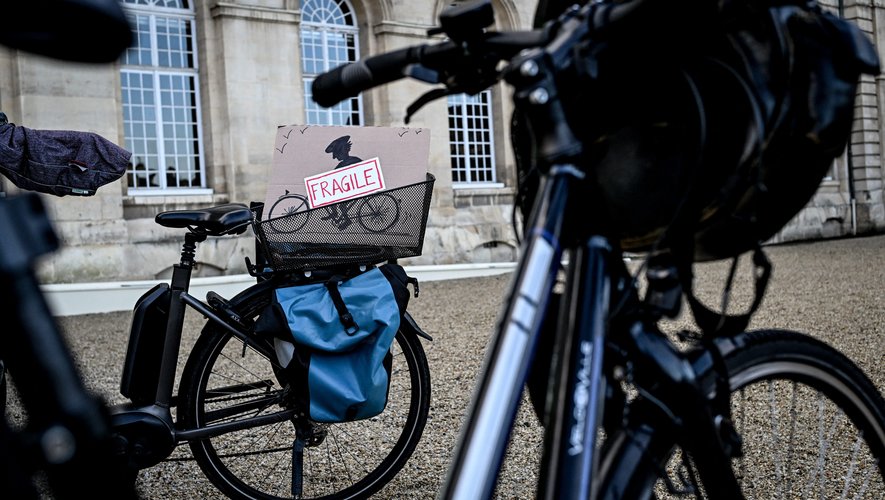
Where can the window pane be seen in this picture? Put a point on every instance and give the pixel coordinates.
(139, 54)
(172, 4)
(328, 39)
(161, 108)
(470, 138)
(311, 48)
(174, 42)
(336, 12)
(145, 163)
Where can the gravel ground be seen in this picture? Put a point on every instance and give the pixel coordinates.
(833, 290)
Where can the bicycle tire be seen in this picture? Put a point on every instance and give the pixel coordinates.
(378, 213)
(355, 459)
(289, 213)
(840, 455)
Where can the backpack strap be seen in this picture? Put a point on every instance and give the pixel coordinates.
(350, 326)
(720, 323)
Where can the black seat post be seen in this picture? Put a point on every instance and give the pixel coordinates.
(181, 273)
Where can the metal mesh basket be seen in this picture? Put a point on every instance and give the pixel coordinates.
(367, 230)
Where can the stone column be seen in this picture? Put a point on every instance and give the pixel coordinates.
(254, 76)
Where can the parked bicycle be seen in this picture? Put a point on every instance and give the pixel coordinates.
(705, 163)
(236, 407)
(375, 213)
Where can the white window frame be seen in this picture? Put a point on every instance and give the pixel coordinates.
(463, 102)
(154, 9)
(326, 31)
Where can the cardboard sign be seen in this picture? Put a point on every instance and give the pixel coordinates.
(344, 183)
(305, 151)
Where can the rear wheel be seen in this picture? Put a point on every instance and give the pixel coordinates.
(812, 424)
(225, 382)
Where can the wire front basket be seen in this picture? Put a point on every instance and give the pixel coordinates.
(367, 230)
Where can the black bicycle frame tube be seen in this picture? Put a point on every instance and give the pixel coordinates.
(636, 454)
(181, 274)
(68, 431)
(483, 440)
(570, 457)
(175, 321)
(211, 431)
(679, 389)
(33, 348)
(208, 312)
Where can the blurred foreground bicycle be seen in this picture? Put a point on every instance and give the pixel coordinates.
(705, 165)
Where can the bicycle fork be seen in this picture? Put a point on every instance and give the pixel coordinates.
(672, 410)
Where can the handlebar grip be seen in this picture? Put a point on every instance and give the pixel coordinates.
(349, 80)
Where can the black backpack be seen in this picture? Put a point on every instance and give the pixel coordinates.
(707, 124)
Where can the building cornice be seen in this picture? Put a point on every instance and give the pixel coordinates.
(255, 13)
(401, 28)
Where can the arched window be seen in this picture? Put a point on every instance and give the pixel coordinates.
(161, 105)
(329, 37)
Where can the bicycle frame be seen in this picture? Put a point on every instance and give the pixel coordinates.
(68, 432)
(150, 423)
(595, 275)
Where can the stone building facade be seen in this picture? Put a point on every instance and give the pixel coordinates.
(200, 95)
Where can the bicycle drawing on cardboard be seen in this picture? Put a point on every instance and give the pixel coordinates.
(375, 213)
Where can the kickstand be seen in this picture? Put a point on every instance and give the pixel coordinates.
(298, 465)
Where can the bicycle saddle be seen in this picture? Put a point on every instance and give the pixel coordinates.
(214, 221)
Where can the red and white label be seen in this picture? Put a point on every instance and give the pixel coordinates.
(344, 183)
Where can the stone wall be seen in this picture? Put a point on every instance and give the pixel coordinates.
(250, 83)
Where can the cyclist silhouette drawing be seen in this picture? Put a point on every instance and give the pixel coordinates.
(340, 150)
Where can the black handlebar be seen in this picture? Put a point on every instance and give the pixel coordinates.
(467, 62)
(447, 58)
(349, 80)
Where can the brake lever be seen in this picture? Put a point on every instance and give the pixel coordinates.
(426, 98)
(452, 86)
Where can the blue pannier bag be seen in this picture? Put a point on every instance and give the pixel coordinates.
(333, 338)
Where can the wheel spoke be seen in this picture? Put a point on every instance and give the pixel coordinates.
(357, 457)
(810, 421)
(775, 441)
(851, 465)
